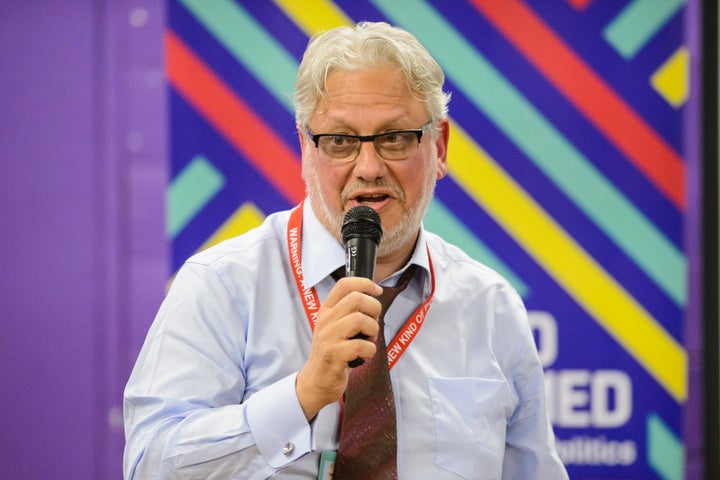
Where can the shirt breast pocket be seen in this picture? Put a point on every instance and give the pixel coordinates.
(470, 416)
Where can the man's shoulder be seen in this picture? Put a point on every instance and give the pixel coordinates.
(452, 259)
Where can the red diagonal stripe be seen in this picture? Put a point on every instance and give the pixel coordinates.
(234, 119)
(586, 90)
(579, 4)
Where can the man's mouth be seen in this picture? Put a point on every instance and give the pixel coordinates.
(369, 200)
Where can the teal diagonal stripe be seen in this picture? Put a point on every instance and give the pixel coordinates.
(190, 191)
(543, 144)
(248, 42)
(665, 451)
(637, 23)
(440, 219)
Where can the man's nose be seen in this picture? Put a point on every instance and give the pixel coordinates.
(369, 165)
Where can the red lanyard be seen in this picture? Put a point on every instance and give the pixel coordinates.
(311, 302)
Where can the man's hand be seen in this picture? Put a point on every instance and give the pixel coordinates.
(350, 309)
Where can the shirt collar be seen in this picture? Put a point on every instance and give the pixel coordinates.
(419, 258)
(323, 254)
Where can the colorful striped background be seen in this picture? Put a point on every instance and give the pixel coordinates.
(566, 166)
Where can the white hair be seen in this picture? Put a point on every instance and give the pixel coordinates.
(368, 45)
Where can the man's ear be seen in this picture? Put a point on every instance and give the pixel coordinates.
(303, 147)
(441, 145)
(301, 139)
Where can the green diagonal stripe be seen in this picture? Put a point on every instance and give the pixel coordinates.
(545, 146)
(440, 219)
(637, 23)
(665, 451)
(249, 43)
(190, 191)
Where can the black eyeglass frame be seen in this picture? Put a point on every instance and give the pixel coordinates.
(419, 132)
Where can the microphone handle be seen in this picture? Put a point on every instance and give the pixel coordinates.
(360, 254)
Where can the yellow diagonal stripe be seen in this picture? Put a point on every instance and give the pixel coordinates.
(587, 282)
(314, 16)
(671, 79)
(247, 216)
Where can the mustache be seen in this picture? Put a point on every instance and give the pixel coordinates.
(349, 190)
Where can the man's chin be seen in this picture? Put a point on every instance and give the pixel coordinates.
(397, 239)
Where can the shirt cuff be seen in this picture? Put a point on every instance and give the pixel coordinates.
(278, 425)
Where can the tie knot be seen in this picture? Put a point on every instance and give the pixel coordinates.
(389, 293)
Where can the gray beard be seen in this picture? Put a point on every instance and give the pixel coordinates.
(394, 238)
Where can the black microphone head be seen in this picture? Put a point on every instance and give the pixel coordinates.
(361, 221)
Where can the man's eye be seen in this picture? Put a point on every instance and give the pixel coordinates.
(338, 146)
(339, 140)
(395, 139)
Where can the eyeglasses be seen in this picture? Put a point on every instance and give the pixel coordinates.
(394, 145)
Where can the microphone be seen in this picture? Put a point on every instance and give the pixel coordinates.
(361, 232)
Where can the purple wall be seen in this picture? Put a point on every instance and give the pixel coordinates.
(693, 412)
(82, 246)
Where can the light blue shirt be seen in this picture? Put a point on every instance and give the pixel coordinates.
(212, 394)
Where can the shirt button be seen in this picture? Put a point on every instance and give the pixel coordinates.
(288, 448)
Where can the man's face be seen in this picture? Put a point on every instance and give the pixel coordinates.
(364, 103)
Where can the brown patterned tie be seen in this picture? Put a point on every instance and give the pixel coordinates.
(368, 438)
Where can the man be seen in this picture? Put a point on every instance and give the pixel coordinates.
(245, 372)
